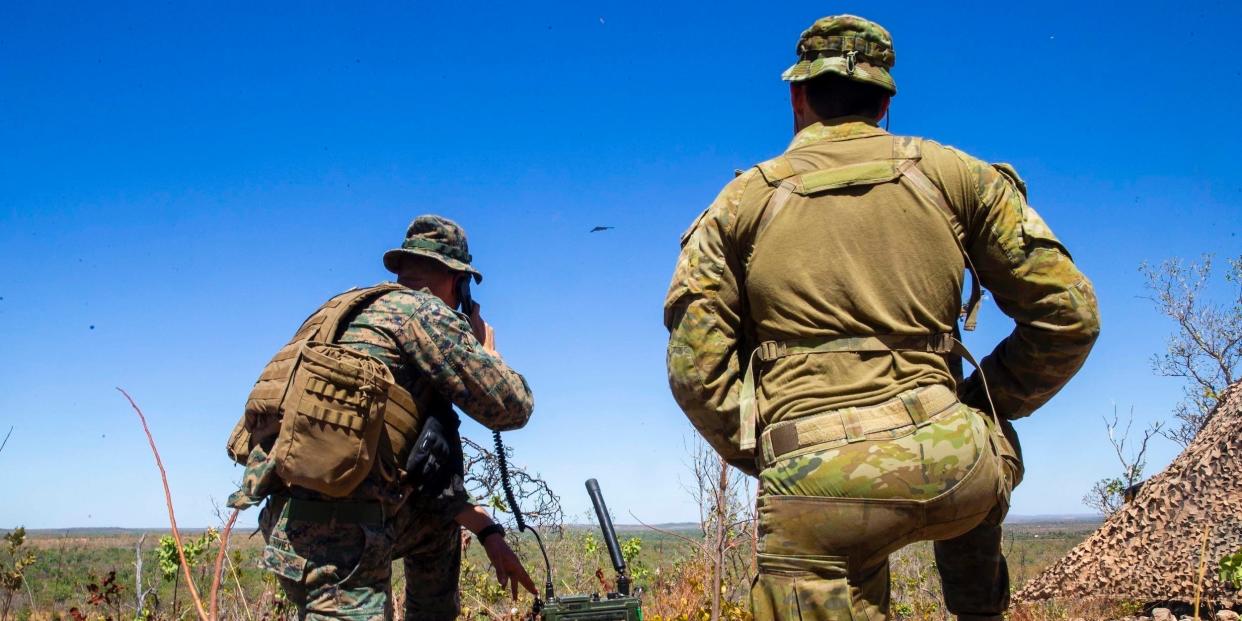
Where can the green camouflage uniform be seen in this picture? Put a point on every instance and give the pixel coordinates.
(817, 262)
(333, 556)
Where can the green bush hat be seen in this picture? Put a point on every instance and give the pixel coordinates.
(437, 238)
(848, 46)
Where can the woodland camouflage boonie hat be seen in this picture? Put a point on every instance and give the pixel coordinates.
(437, 238)
(848, 46)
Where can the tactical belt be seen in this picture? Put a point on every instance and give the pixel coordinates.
(330, 511)
(768, 351)
(892, 419)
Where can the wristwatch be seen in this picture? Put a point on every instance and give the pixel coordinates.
(488, 531)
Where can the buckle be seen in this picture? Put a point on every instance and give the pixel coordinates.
(852, 424)
(771, 350)
(941, 343)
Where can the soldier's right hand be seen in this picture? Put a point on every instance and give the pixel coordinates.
(482, 330)
(509, 570)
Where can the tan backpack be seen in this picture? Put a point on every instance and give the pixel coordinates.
(332, 410)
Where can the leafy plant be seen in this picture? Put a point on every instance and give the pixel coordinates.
(170, 561)
(590, 545)
(13, 566)
(1231, 569)
(630, 550)
(104, 596)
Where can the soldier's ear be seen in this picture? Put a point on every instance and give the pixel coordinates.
(883, 108)
(802, 113)
(797, 98)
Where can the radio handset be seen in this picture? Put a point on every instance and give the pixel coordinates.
(464, 300)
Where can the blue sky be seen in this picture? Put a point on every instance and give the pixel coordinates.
(181, 185)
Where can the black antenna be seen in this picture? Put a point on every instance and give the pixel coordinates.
(610, 536)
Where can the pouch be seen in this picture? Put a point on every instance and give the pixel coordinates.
(332, 418)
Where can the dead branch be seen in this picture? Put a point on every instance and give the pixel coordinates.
(224, 548)
(540, 505)
(241, 593)
(172, 518)
(138, 573)
(6, 438)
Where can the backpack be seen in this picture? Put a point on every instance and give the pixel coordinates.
(329, 412)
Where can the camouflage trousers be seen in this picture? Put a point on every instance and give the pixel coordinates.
(338, 564)
(829, 518)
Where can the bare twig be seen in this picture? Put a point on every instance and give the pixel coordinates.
(1205, 348)
(6, 438)
(1109, 494)
(138, 574)
(539, 503)
(224, 548)
(697, 544)
(241, 593)
(172, 518)
(491, 612)
(1202, 568)
(29, 594)
(224, 540)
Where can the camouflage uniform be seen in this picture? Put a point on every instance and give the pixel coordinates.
(819, 294)
(333, 556)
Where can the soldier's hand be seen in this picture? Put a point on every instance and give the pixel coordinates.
(481, 329)
(509, 570)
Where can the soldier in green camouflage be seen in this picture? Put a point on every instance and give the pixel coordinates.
(813, 342)
(333, 556)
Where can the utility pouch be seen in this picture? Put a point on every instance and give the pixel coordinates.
(1005, 443)
(436, 456)
(332, 418)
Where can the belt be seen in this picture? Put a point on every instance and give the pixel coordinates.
(329, 511)
(770, 351)
(909, 410)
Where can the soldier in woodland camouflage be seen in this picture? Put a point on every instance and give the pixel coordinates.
(333, 555)
(813, 342)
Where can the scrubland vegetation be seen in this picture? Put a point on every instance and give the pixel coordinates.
(94, 574)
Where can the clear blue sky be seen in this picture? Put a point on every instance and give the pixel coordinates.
(181, 185)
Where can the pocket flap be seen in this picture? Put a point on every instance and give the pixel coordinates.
(284, 563)
(866, 173)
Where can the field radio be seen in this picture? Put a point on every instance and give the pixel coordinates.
(618, 606)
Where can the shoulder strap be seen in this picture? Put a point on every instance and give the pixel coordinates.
(775, 172)
(339, 307)
(917, 180)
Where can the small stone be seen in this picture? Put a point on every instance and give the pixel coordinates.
(1226, 615)
(1162, 614)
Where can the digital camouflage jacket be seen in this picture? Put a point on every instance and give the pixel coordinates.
(432, 353)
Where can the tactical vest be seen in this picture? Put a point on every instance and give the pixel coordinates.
(328, 414)
(790, 185)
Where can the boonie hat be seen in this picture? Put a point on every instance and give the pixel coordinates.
(438, 238)
(849, 46)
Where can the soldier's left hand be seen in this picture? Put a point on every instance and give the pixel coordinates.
(509, 570)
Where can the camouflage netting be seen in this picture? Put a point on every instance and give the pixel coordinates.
(1149, 550)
